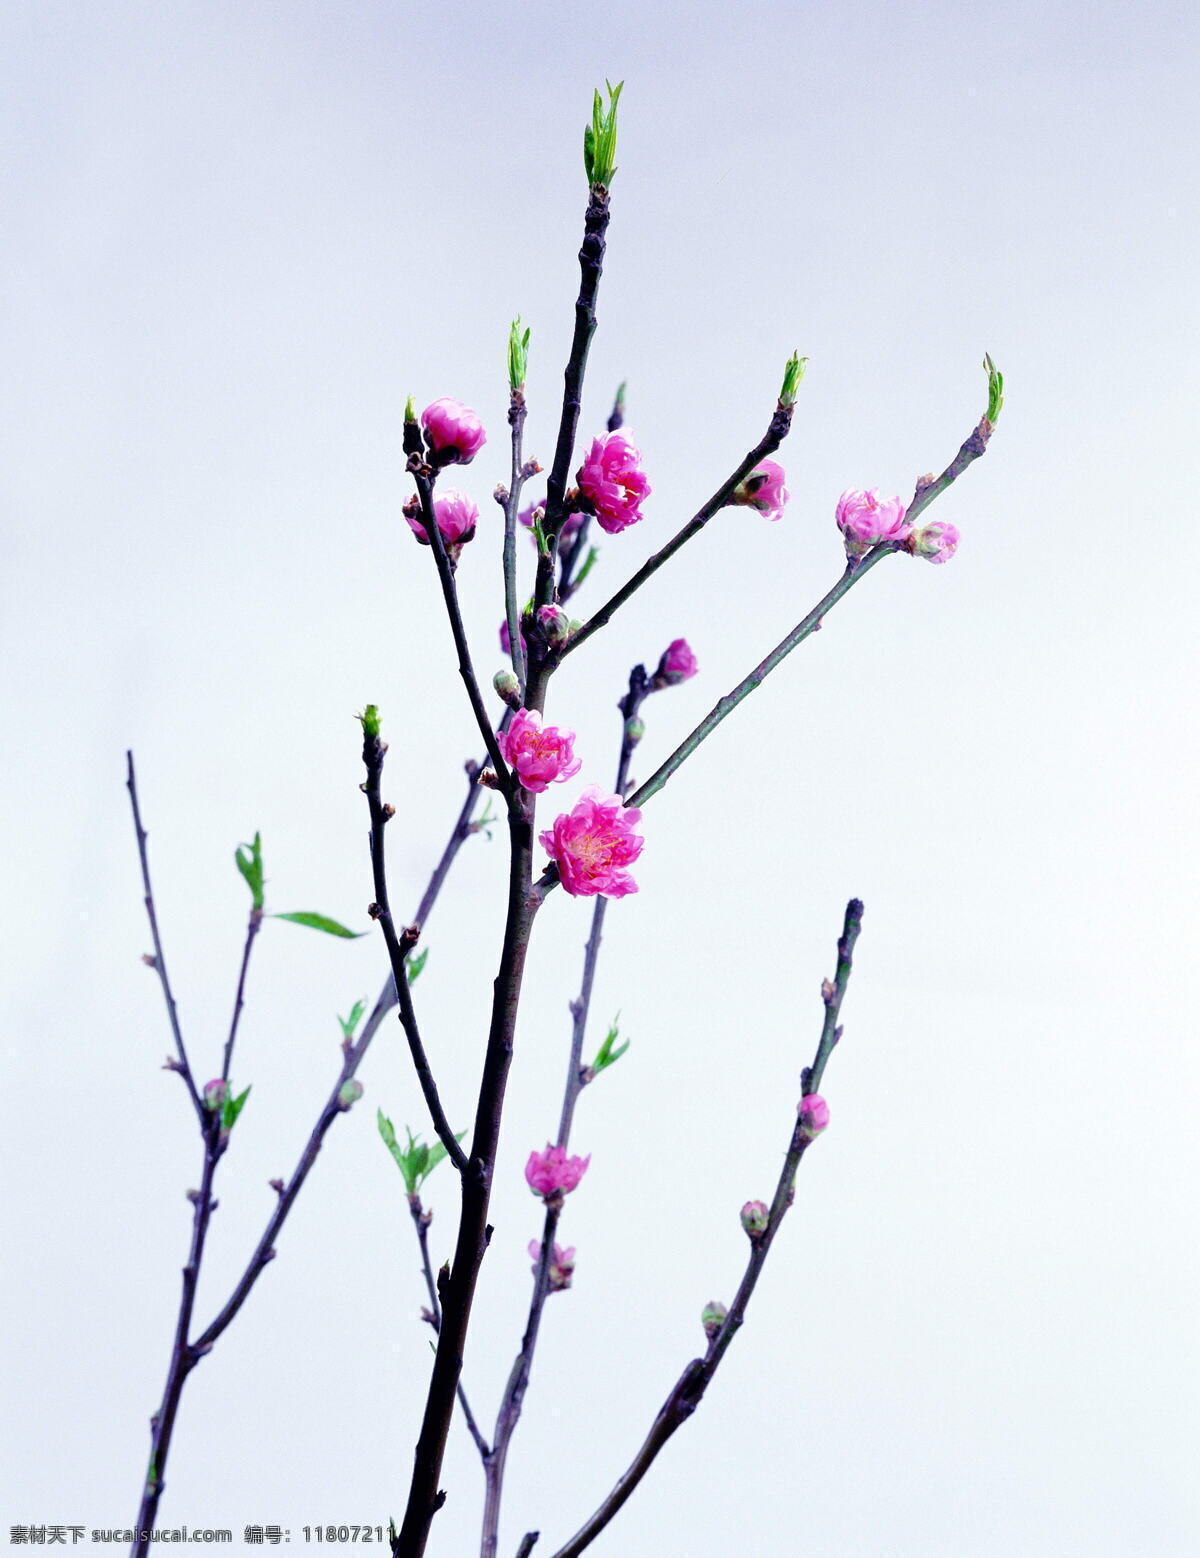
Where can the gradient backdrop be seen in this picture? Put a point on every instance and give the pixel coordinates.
(237, 236)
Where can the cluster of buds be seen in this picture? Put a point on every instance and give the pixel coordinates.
(552, 1172)
(865, 520)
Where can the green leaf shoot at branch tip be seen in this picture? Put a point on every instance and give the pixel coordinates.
(995, 389)
(793, 375)
(410, 410)
(416, 1161)
(518, 354)
(414, 964)
(606, 1055)
(231, 1108)
(349, 1024)
(250, 864)
(319, 922)
(600, 138)
(369, 720)
(589, 563)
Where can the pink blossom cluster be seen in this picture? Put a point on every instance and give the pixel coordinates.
(677, 664)
(764, 489)
(593, 843)
(538, 757)
(866, 519)
(453, 431)
(561, 1268)
(550, 1172)
(612, 480)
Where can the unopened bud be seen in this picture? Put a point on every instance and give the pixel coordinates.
(814, 1115)
(349, 1093)
(508, 688)
(635, 729)
(554, 623)
(215, 1093)
(827, 991)
(712, 1318)
(755, 1216)
(277, 1186)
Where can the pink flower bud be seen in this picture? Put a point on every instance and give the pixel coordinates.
(593, 843)
(865, 519)
(814, 1115)
(539, 757)
(561, 1268)
(507, 687)
(755, 1216)
(936, 542)
(215, 1094)
(453, 431)
(506, 638)
(764, 490)
(612, 480)
(554, 623)
(456, 516)
(677, 665)
(712, 1318)
(552, 1171)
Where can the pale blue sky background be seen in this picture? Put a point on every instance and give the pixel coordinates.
(237, 236)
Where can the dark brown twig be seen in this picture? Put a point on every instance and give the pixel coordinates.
(421, 1224)
(689, 1389)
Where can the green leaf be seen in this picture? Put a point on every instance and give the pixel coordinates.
(415, 964)
(319, 922)
(606, 1055)
(232, 1108)
(600, 137)
(995, 388)
(518, 354)
(348, 1024)
(250, 864)
(589, 563)
(388, 1132)
(793, 375)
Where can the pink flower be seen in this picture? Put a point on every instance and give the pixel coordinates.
(678, 663)
(612, 479)
(454, 432)
(864, 519)
(814, 1114)
(593, 843)
(456, 515)
(937, 543)
(764, 489)
(552, 1171)
(539, 757)
(570, 525)
(561, 1268)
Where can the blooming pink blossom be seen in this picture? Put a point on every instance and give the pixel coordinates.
(593, 843)
(612, 479)
(864, 518)
(454, 432)
(552, 1171)
(456, 515)
(678, 663)
(764, 489)
(567, 531)
(936, 542)
(539, 757)
(561, 1268)
(814, 1114)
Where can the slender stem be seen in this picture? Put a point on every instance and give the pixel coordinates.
(591, 264)
(424, 480)
(421, 1220)
(184, 1355)
(969, 452)
(777, 431)
(425, 1499)
(512, 608)
(160, 962)
(399, 945)
(527, 1543)
(518, 1379)
(689, 1389)
(239, 1000)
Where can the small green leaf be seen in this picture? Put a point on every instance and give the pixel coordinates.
(589, 563)
(518, 354)
(319, 922)
(793, 376)
(606, 1055)
(369, 720)
(995, 389)
(232, 1108)
(250, 864)
(600, 138)
(415, 964)
(348, 1024)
